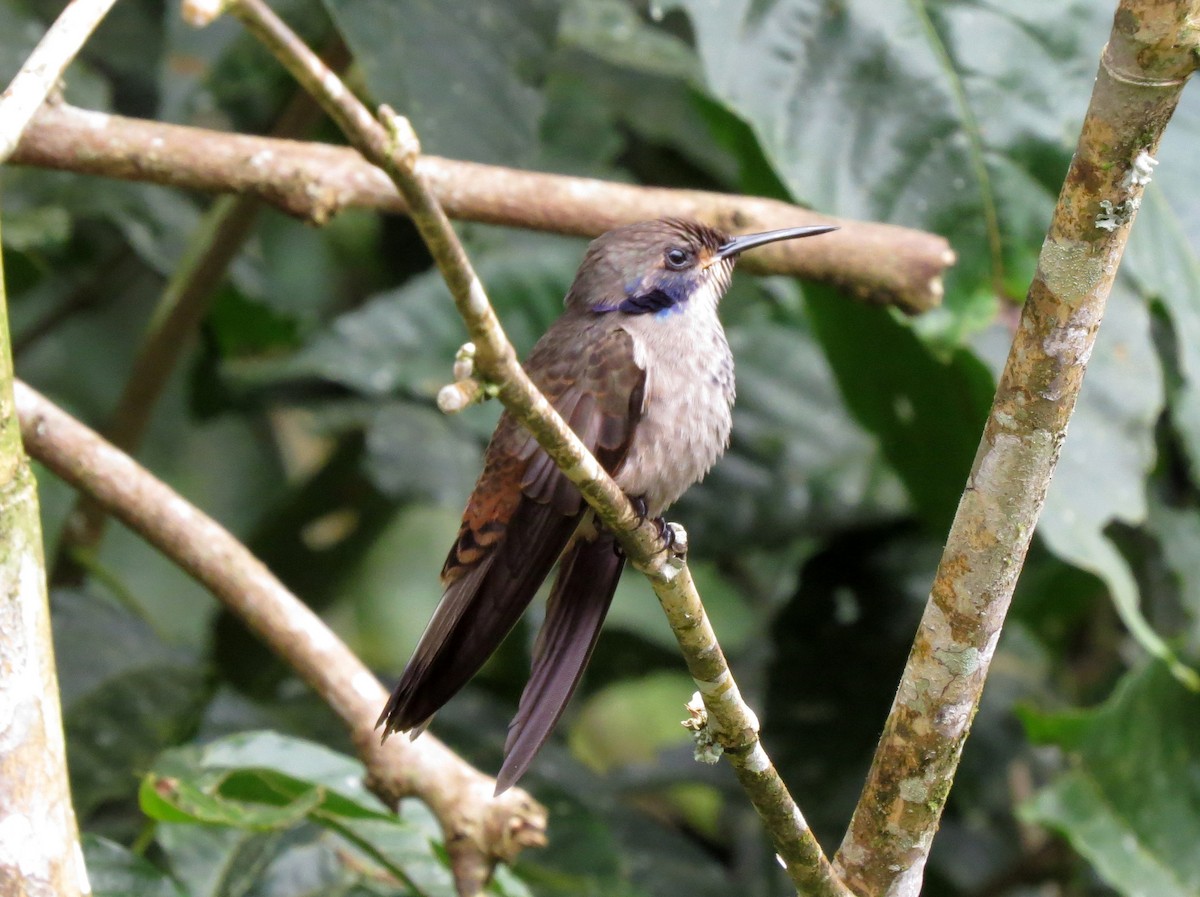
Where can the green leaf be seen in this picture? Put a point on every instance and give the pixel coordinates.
(263, 768)
(113, 871)
(1128, 800)
(172, 799)
(798, 465)
(601, 736)
(393, 589)
(1178, 534)
(213, 861)
(614, 31)
(273, 795)
(1107, 455)
(406, 339)
(1166, 269)
(126, 695)
(418, 453)
(928, 414)
(462, 73)
(43, 227)
(957, 118)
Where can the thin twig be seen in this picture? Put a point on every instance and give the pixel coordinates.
(396, 151)
(1150, 55)
(479, 829)
(45, 65)
(876, 262)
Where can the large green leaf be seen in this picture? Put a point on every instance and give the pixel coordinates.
(113, 871)
(1166, 269)
(1108, 453)
(232, 780)
(405, 339)
(797, 465)
(927, 413)
(463, 73)
(958, 118)
(126, 694)
(1129, 798)
(270, 796)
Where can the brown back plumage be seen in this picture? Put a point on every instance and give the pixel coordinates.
(522, 512)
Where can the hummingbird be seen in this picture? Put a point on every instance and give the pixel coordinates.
(639, 367)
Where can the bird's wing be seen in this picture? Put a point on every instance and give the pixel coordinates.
(522, 512)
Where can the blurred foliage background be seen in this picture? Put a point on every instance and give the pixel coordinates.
(302, 417)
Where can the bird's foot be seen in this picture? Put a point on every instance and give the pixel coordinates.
(676, 540)
(674, 536)
(666, 532)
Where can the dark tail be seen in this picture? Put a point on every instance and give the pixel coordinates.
(475, 614)
(575, 611)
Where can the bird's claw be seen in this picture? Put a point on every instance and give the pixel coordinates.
(666, 532)
(673, 536)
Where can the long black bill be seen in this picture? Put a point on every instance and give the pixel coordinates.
(740, 244)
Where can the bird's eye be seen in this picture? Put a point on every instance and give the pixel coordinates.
(677, 258)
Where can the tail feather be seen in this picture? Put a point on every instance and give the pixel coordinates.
(575, 612)
(476, 612)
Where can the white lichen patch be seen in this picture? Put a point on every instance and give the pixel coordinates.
(757, 760)
(1141, 172)
(959, 661)
(707, 749)
(1012, 465)
(1110, 216)
(679, 538)
(1069, 271)
(952, 719)
(914, 791)
(715, 686)
(1067, 344)
(23, 847)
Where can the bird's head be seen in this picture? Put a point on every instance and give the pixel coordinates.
(662, 266)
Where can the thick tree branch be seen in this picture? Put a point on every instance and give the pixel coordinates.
(479, 829)
(394, 149)
(1150, 54)
(876, 262)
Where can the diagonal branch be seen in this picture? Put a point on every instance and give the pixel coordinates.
(394, 149)
(1150, 54)
(876, 262)
(478, 829)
